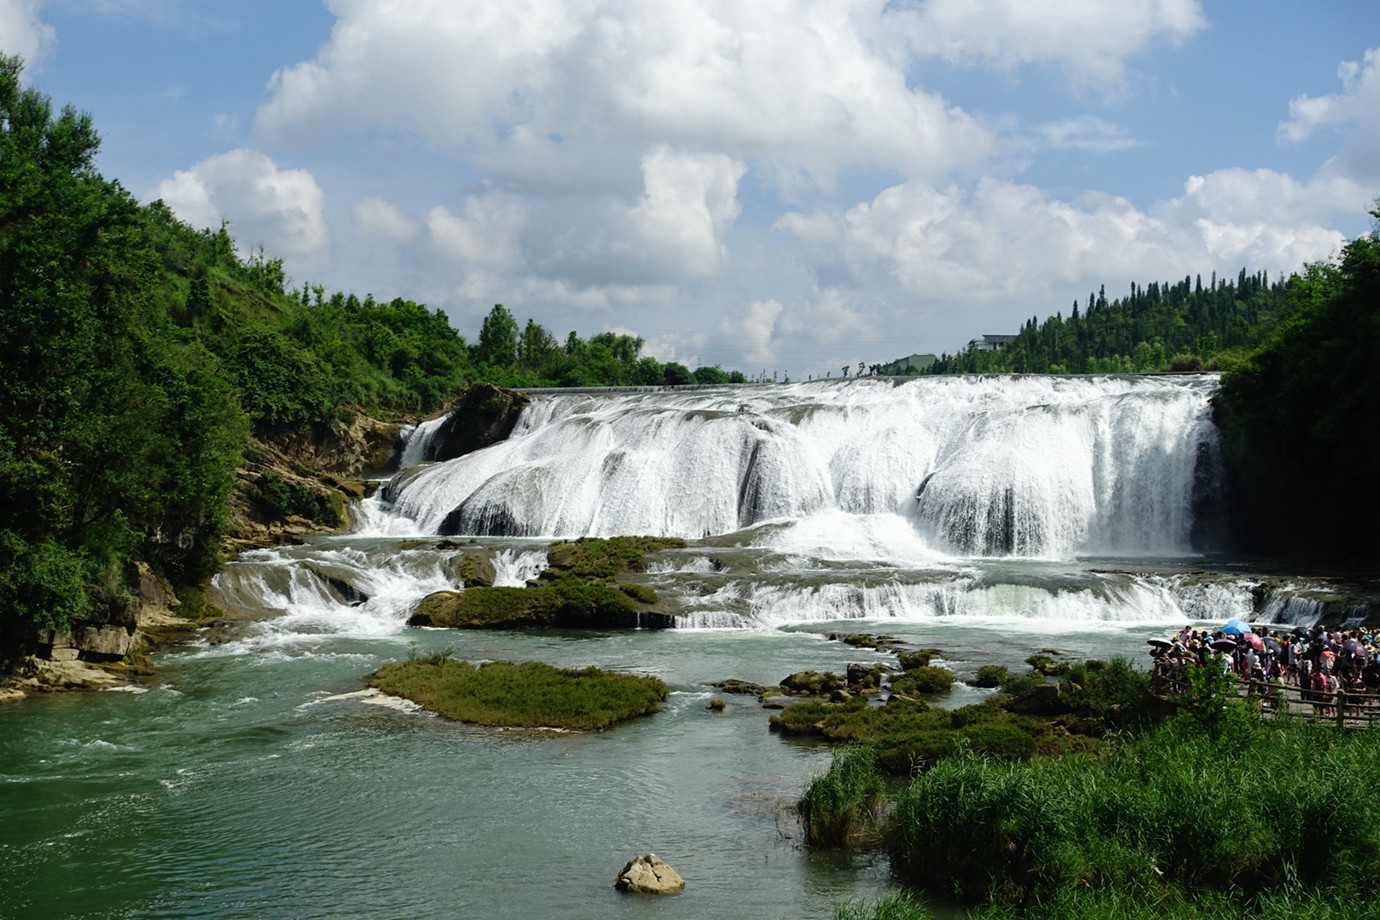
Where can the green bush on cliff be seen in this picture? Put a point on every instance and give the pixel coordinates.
(529, 695)
(1298, 415)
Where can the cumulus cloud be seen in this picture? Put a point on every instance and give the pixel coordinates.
(1358, 101)
(689, 202)
(22, 32)
(1005, 240)
(1090, 39)
(1359, 105)
(279, 209)
(375, 218)
(552, 92)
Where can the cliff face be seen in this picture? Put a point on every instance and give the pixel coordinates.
(484, 415)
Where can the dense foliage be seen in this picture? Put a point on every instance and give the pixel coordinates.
(1216, 812)
(1298, 415)
(1182, 326)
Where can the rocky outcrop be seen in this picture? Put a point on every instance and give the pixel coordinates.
(363, 448)
(484, 415)
(95, 654)
(649, 875)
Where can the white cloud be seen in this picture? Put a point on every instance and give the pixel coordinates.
(22, 32)
(1358, 101)
(753, 331)
(487, 237)
(1090, 39)
(376, 218)
(689, 203)
(571, 94)
(1086, 132)
(1004, 240)
(1358, 105)
(279, 209)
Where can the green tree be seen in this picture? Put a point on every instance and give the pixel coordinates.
(498, 338)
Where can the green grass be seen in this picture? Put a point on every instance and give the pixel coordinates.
(1213, 813)
(529, 695)
(839, 806)
(1084, 904)
(1169, 814)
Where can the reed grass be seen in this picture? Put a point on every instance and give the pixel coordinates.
(1170, 811)
(839, 806)
(529, 695)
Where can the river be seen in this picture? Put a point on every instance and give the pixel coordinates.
(990, 518)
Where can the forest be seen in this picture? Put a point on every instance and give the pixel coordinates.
(1182, 326)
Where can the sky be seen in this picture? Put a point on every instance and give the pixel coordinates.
(789, 186)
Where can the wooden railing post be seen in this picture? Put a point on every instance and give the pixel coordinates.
(1341, 708)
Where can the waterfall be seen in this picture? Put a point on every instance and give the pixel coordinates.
(1049, 467)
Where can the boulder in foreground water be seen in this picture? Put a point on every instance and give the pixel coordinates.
(649, 875)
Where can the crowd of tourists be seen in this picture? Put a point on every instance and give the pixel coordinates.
(1328, 667)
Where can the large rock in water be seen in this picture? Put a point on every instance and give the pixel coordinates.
(649, 875)
(485, 415)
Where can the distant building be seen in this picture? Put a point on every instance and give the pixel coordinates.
(990, 342)
(913, 364)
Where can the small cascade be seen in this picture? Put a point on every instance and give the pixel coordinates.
(1047, 601)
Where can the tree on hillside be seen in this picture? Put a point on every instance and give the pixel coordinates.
(498, 338)
(113, 441)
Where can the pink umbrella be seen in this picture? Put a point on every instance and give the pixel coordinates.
(1256, 642)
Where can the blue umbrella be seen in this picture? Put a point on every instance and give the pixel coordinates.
(1235, 628)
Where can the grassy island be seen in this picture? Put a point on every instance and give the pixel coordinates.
(528, 695)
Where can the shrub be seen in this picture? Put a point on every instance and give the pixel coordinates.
(991, 675)
(840, 806)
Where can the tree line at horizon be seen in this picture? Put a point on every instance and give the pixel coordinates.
(1183, 326)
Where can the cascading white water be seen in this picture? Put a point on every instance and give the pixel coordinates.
(970, 466)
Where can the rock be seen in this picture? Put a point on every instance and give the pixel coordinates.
(649, 875)
(439, 608)
(862, 678)
(733, 685)
(477, 569)
(485, 415)
(365, 445)
(812, 683)
(1042, 699)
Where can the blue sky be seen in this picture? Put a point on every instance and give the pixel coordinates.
(787, 185)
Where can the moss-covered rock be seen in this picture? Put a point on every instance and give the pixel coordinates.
(924, 680)
(813, 683)
(577, 590)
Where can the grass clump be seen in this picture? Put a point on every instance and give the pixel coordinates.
(528, 695)
(839, 806)
(925, 679)
(991, 675)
